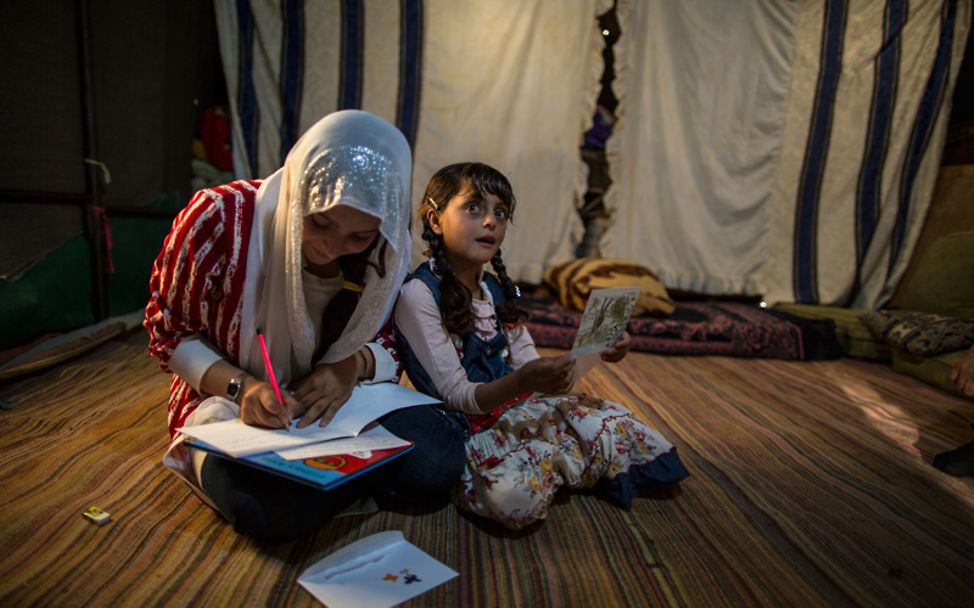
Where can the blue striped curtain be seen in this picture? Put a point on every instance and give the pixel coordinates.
(913, 164)
(783, 149)
(512, 84)
(290, 62)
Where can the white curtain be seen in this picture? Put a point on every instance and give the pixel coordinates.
(289, 62)
(509, 83)
(514, 84)
(780, 148)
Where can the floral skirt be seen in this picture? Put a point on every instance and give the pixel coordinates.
(515, 467)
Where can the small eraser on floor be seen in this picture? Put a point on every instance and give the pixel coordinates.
(97, 516)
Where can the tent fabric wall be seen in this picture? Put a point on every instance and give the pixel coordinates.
(146, 72)
(288, 63)
(786, 149)
(510, 84)
(148, 68)
(783, 149)
(515, 87)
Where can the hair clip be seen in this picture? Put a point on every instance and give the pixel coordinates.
(517, 291)
(350, 286)
(433, 203)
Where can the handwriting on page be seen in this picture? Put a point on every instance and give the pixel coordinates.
(367, 403)
(377, 438)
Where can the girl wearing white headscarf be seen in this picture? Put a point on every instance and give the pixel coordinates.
(314, 256)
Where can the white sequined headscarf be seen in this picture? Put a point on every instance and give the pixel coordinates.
(347, 158)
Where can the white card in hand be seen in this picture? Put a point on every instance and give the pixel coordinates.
(604, 320)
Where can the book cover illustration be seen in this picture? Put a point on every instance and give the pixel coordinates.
(604, 320)
(324, 472)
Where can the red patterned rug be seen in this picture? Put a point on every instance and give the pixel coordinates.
(699, 328)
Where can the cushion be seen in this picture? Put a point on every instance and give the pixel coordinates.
(574, 280)
(853, 336)
(919, 333)
(943, 280)
(932, 370)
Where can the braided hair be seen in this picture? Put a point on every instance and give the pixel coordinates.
(455, 298)
(340, 308)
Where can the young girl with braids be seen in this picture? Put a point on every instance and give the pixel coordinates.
(462, 339)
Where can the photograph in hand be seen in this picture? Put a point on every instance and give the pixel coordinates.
(604, 320)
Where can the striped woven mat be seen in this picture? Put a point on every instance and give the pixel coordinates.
(810, 486)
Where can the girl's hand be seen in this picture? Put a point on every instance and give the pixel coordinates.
(618, 350)
(548, 374)
(259, 405)
(322, 392)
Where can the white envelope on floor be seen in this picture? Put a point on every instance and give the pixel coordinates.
(380, 570)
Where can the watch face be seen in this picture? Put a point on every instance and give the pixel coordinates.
(233, 389)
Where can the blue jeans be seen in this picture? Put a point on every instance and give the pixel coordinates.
(271, 508)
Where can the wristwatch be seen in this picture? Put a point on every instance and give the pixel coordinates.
(235, 388)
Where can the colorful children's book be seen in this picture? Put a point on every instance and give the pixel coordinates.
(322, 472)
(306, 455)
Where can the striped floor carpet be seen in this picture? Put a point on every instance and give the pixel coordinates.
(811, 486)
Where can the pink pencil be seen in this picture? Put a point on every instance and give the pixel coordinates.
(273, 380)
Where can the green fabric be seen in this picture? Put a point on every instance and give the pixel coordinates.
(851, 333)
(51, 297)
(932, 370)
(943, 280)
(54, 295)
(137, 243)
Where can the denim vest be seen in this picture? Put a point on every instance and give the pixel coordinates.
(483, 360)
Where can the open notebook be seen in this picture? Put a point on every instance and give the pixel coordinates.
(324, 457)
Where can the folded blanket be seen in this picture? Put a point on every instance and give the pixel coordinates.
(573, 281)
